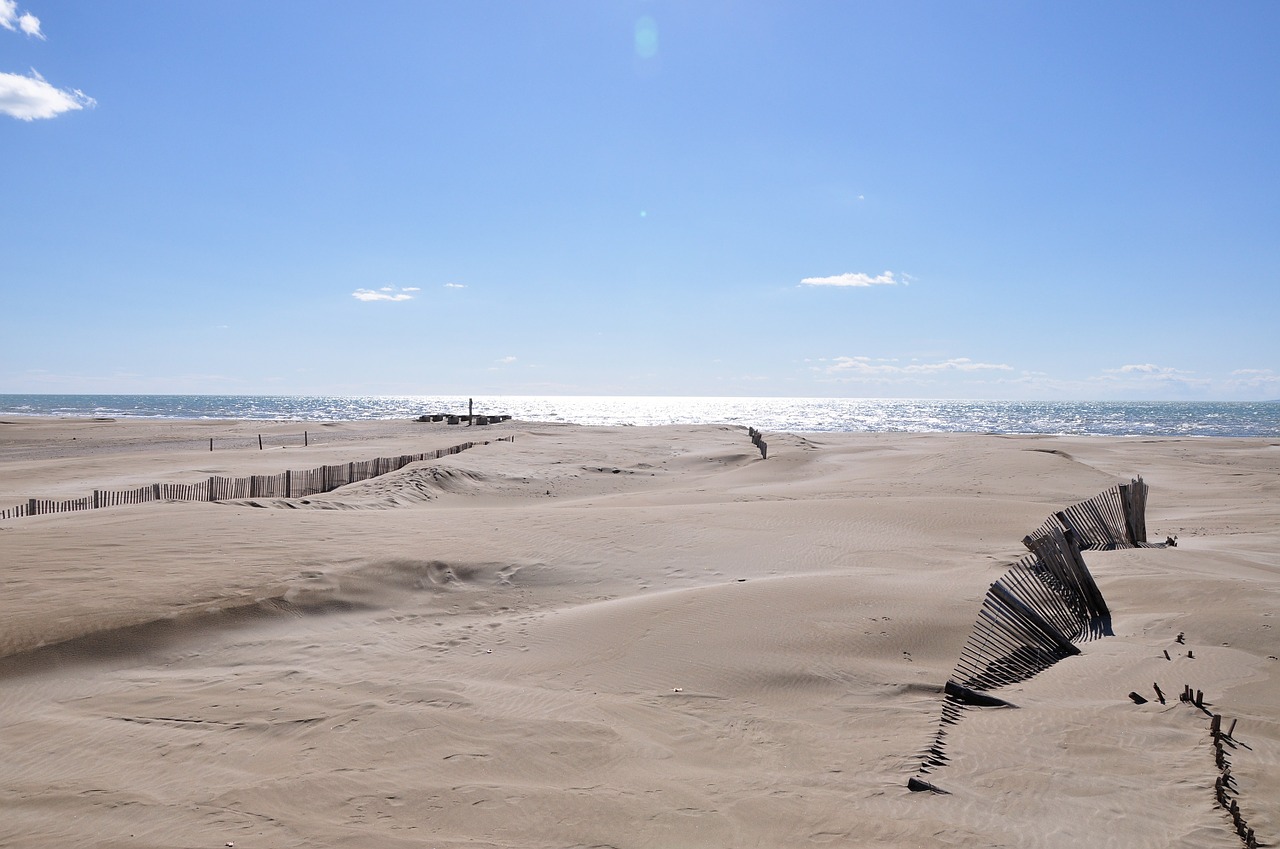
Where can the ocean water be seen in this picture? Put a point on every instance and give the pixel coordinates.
(1111, 418)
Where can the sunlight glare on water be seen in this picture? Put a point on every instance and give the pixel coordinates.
(1113, 418)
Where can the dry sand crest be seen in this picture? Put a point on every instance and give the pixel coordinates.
(622, 637)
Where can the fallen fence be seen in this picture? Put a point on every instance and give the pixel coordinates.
(288, 484)
(1035, 613)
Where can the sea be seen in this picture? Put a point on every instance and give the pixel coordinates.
(1104, 418)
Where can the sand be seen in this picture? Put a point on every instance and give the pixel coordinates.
(617, 637)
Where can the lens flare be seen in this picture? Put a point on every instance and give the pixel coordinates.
(646, 38)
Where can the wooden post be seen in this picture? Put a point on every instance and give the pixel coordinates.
(288, 484)
(305, 443)
(95, 499)
(31, 507)
(1232, 730)
(155, 491)
(259, 442)
(1159, 693)
(211, 498)
(211, 443)
(470, 411)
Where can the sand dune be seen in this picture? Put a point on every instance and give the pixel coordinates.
(624, 637)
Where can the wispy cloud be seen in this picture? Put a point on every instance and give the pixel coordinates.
(1149, 372)
(856, 279)
(1144, 376)
(455, 285)
(864, 367)
(12, 21)
(1255, 378)
(386, 293)
(28, 98)
(1141, 368)
(506, 361)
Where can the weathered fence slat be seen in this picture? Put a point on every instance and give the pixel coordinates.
(1033, 615)
(287, 484)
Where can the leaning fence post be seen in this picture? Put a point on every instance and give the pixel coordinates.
(259, 442)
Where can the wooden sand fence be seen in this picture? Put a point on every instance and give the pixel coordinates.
(288, 484)
(1035, 613)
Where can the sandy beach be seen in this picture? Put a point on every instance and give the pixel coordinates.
(618, 637)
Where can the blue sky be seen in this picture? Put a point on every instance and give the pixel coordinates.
(900, 199)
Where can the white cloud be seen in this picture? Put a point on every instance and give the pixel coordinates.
(30, 24)
(858, 279)
(455, 285)
(1145, 376)
(28, 98)
(1141, 368)
(507, 360)
(12, 21)
(386, 293)
(855, 367)
(1255, 378)
(1149, 372)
